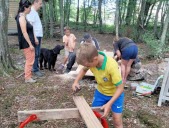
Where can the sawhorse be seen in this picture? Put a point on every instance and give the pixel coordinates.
(83, 110)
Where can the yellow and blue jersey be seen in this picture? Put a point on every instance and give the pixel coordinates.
(108, 76)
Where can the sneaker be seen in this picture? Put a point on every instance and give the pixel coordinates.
(66, 71)
(30, 80)
(61, 67)
(38, 74)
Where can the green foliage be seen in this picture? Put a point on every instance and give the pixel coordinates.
(156, 48)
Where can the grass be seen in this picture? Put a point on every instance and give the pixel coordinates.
(150, 120)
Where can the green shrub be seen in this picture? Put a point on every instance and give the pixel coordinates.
(156, 49)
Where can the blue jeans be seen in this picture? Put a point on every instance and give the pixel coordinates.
(37, 54)
(71, 60)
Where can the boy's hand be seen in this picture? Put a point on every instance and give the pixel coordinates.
(66, 43)
(36, 41)
(118, 54)
(75, 87)
(106, 109)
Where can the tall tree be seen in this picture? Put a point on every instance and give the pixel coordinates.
(84, 15)
(51, 16)
(122, 10)
(45, 19)
(156, 19)
(5, 58)
(67, 11)
(100, 16)
(163, 36)
(61, 16)
(130, 9)
(141, 18)
(77, 15)
(149, 16)
(117, 18)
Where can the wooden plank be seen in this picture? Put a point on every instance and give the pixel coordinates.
(52, 114)
(86, 113)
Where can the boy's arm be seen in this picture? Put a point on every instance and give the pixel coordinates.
(65, 41)
(107, 106)
(79, 77)
(74, 44)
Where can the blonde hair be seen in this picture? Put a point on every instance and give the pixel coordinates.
(86, 53)
(67, 28)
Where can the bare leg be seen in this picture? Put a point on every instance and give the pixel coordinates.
(117, 120)
(65, 60)
(128, 67)
(123, 69)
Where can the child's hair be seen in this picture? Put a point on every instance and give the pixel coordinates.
(86, 53)
(67, 28)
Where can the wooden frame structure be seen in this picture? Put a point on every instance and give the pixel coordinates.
(164, 93)
(83, 110)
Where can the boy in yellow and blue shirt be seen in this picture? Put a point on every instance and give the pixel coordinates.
(109, 93)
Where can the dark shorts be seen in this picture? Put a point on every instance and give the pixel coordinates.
(129, 53)
(101, 99)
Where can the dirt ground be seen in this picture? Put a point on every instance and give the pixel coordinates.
(54, 91)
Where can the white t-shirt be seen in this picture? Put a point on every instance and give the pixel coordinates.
(34, 19)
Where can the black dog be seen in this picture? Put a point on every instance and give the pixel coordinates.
(49, 56)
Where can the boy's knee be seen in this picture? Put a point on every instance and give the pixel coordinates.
(117, 121)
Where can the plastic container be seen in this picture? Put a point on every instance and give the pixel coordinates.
(134, 86)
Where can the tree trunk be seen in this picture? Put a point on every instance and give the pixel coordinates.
(95, 15)
(51, 10)
(100, 16)
(140, 21)
(55, 4)
(5, 58)
(123, 12)
(84, 16)
(130, 9)
(61, 16)
(156, 19)
(149, 16)
(77, 16)
(117, 19)
(68, 3)
(163, 36)
(45, 20)
(67, 12)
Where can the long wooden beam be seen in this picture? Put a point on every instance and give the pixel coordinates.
(52, 114)
(86, 113)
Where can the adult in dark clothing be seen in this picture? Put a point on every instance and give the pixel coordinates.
(26, 38)
(87, 38)
(127, 51)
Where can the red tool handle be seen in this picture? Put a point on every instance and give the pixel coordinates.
(29, 119)
(103, 120)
